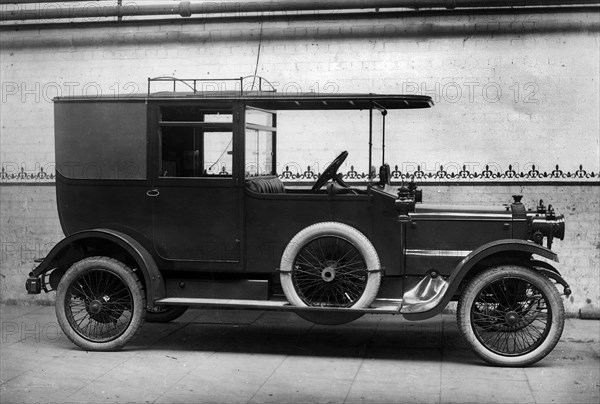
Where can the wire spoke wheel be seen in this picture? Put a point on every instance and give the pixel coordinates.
(511, 315)
(99, 306)
(330, 272)
(330, 265)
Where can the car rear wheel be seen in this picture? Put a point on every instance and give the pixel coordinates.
(164, 314)
(511, 316)
(100, 305)
(330, 265)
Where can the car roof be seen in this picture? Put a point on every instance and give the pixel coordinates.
(280, 101)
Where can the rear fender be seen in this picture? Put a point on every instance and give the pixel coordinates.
(510, 247)
(73, 249)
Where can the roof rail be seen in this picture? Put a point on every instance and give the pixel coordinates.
(242, 85)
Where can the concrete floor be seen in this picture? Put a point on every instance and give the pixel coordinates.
(268, 357)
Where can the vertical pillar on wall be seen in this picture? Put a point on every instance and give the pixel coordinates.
(383, 114)
(119, 5)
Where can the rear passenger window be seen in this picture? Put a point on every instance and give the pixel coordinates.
(195, 142)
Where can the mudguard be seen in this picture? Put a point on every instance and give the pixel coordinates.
(155, 285)
(552, 273)
(435, 305)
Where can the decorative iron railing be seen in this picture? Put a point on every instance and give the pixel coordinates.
(487, 175)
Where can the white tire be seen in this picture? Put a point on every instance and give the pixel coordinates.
(511, 315)
(330, 264)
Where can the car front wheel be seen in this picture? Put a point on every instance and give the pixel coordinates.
(100, 305)
(511, 316)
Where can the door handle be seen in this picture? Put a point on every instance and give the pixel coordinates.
(153, 193)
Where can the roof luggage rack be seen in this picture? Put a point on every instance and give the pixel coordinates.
(241, 85)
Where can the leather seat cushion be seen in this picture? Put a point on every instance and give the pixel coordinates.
(265, 185)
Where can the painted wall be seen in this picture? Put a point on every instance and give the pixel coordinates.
(511, 89)
(516, 93)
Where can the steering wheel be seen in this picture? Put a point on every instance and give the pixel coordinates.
(330, 173)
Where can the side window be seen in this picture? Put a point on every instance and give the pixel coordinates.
(195, 142)
(260, 140)
(218, 156)
(259, 153)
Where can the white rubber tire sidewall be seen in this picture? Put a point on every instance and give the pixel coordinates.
(349, 233)
(496, 273)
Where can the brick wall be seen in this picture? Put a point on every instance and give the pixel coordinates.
(30, 228)
(517, 89)
(579, 252)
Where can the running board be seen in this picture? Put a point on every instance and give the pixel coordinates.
(379, 306)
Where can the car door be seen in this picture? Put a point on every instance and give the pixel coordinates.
(195, 200)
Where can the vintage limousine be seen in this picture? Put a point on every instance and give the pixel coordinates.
(171, 199)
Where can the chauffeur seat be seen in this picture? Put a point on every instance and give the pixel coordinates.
(265, 185)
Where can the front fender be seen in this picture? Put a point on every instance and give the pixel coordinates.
(521, 247)
(63, 254)
(552, 273)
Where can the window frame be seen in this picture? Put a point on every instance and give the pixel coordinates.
(155, 125)
(258, 127)
(199, 129)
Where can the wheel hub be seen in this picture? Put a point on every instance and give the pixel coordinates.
(100, 311)
(328, 273)
(512, 318)
(95, 307)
